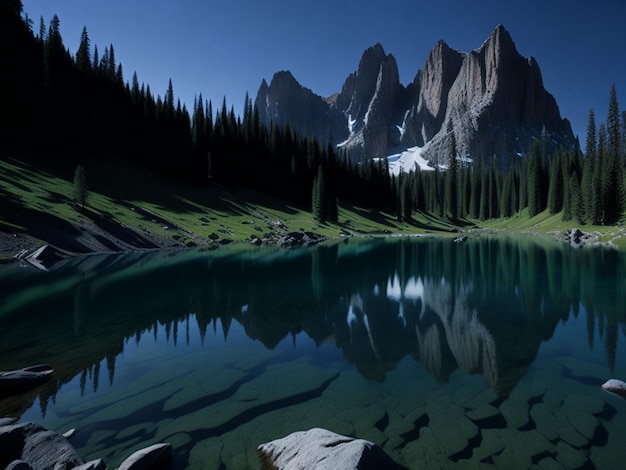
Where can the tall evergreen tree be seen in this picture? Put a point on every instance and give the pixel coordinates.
(591, 141)
(576, 199)
(319, 197)
(83, 54)
(555, 189)
(533, 180)
(451, 180)
(80, 186)
(169, 101)
(42, 30)
(612, 171)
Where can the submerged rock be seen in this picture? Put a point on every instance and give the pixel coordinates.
(615, 386)
(323, 450)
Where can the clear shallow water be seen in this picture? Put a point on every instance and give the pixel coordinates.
(489, 353)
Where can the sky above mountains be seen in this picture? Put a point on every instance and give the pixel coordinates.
(225, 49)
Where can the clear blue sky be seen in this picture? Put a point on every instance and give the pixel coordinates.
(225, 48)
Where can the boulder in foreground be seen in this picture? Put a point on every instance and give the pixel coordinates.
(148, 458)
(38, 447)
(321, 449)
(618, 387)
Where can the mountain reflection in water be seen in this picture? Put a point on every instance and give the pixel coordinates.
(484, 307)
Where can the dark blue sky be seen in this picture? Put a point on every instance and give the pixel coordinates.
(222, 48)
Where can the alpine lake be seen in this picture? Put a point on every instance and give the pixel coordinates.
(489, 353)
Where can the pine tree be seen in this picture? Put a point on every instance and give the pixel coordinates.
(591, 142)
(319, 197)
(507, 207)
(613, 126)
(555, 188)
(586, 188)
(576, 199)
(169, 101)
(451, 182)
(96, 58)
(483, 211)
(533, 180)
(80, 186)
(612, 171)
(83, 54)
(42, 30)
(475, 192)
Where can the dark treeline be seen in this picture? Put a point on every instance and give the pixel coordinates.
(68, 106)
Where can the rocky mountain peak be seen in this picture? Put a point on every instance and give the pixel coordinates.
(492, 99)
(284, 101)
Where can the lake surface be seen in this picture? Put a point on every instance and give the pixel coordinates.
(484, 354)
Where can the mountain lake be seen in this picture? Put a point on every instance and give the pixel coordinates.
(489, 353)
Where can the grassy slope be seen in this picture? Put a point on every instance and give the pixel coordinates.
(119, 189)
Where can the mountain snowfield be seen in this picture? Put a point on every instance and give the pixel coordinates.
(407, 161)
(413, 158)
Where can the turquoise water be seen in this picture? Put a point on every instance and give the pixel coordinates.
(486, 354)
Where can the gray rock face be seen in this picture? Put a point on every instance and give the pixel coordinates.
(430, 91)
(368, 106)
(284, 101)
(323, 450)
(497, 105)
(492, 99)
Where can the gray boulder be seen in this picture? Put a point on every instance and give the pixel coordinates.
(38, 447)
(148, 458)
(321, 449)
(14, 381)
(615, 386)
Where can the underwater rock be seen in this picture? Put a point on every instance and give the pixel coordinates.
(615, 386)
(569, 456)
(322, 449)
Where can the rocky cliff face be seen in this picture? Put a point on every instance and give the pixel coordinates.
(492, 99)
(286, 101)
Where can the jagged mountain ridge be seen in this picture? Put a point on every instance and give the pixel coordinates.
(491, 99)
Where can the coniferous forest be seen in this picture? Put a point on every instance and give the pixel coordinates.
(66, 106)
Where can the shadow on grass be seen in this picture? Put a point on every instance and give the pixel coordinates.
(44, 226)
(107, 224)
(372, 215)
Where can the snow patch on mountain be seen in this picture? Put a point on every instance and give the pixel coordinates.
(408, 161)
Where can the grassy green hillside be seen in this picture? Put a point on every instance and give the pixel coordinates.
(39, 202)
(128, 207)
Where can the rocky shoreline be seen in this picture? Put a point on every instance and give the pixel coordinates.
(29, 446)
